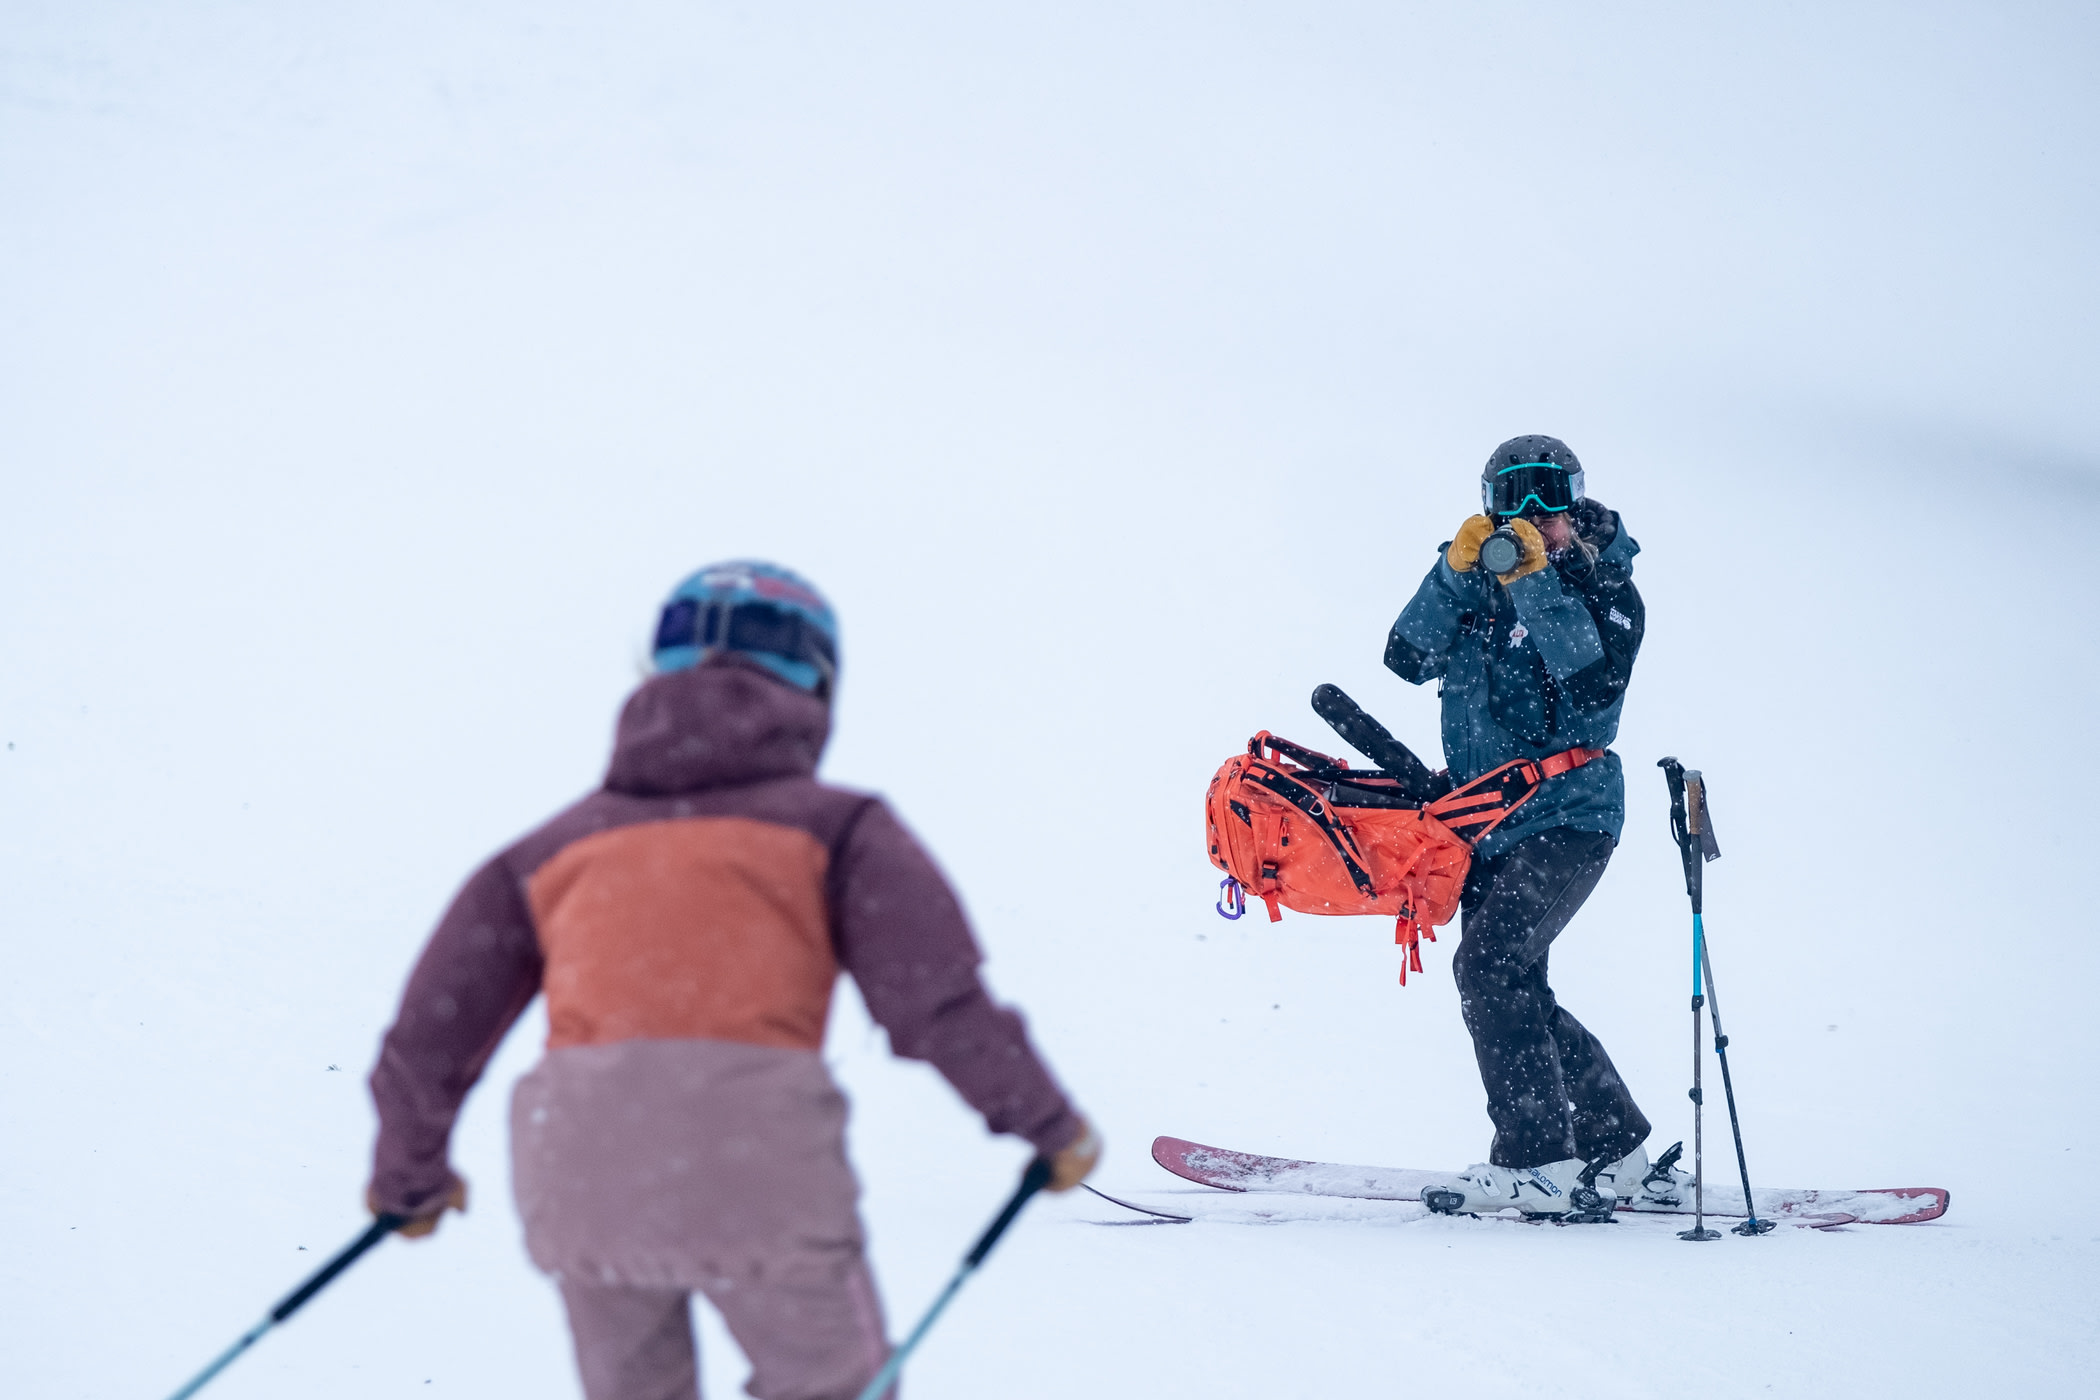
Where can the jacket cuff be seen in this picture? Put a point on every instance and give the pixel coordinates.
(411, 1193)
(1058, 1134)
(1457, 584)
(1528, 592)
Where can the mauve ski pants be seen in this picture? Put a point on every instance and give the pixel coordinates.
(809, 1339)
(1552, 1091)
(650, 1170)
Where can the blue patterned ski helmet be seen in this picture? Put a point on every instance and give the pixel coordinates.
(757, 610)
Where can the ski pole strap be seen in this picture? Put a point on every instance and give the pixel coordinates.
(1477, 808)
(1699, 818)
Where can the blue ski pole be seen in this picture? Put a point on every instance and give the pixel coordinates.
(1698, 1230)
(1691, 823)
(1032, 1180)
(378, 1230)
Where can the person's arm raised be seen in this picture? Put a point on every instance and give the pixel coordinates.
(1420, 640)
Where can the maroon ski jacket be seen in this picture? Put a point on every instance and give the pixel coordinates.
(702, 902)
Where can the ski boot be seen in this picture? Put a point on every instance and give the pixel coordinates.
(1639, 1186)
(1568, 1192)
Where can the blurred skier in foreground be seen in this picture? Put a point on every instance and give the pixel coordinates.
(687, 923)
(1534, 662)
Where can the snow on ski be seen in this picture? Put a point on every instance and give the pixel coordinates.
(1228, 1170)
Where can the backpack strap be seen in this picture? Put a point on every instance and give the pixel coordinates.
(1409, 933)
(1553, 765)
(1308, 802)
(1485, 803)
(1318, 764)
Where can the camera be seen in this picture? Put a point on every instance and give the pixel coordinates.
(1501, 551)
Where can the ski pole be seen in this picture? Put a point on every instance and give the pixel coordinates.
(1685, 828)
(1752, 1225)
(1698, 827)
(379, 1229)
(1032, 1180)
(1698, 1230)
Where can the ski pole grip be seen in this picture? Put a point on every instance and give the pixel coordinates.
(1702, 825)
(1034, 1179)
(1673, 774)
(1685, 787)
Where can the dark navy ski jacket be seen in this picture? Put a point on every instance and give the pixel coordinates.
(1532, 669)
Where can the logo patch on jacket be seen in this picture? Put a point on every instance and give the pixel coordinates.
(1517, 634)
(1621, 618)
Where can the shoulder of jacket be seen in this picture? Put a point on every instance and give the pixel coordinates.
(586, 816)
(845, 810)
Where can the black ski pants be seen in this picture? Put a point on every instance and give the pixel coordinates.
(1552, 1091)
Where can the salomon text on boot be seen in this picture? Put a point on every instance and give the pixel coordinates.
(1566, 1190)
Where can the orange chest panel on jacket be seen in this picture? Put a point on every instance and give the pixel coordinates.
(706, 927)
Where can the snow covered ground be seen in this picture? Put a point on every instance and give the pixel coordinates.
(368, 373)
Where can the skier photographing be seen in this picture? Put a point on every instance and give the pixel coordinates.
(1533, 661)
(688, 922)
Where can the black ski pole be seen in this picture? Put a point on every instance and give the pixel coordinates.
(379, 1229)
(1034, 1179)
(1682, 828)
(1699, 828)
(1752, 1225)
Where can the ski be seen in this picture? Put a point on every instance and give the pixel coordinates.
(1159, 1217)
(1228, 1170)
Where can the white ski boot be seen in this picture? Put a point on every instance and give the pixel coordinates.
(1556, 1189)
(1639, 1186)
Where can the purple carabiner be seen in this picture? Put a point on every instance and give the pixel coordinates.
(1230, 893)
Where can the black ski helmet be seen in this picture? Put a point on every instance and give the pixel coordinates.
(1532, 448)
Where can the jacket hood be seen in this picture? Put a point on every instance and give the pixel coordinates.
(723, 723)
(1619, 553)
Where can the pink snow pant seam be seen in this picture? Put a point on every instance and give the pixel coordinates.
(632, 1343)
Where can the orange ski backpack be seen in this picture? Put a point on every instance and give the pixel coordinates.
(1303, 830)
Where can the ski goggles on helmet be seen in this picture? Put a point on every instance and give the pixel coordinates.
(1543, 485)
(709, 626)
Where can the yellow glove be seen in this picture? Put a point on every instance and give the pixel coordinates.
(1076, 1162)
(421, 1225)
(1534, 557)
(1464, 552)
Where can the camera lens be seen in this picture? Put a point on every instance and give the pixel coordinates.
(1501, 551)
